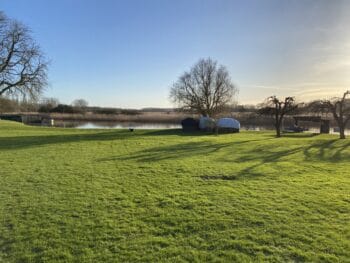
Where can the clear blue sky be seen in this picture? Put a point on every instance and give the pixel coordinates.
(128, 53)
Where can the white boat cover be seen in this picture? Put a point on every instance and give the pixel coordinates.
(228, 123)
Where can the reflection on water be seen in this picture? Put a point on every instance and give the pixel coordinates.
(115, 125)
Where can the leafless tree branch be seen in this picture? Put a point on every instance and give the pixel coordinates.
(206, 88)
(23, 68)
(339, 107)
(278, 108)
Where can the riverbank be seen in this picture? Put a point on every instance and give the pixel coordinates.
(146, 117)
(155, 120)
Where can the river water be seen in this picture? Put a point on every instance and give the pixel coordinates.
(142, 125)
(115, 125)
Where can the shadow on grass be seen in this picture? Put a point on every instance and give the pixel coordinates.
(19, 142)
(243, 174)
(237, 152)
(177, 151)
(178, 132)
(219, 177)
(330, 150)
(299, 135)
(260, 156)
(170, 152)
(321, 151)
(255, 155)
(325, 150)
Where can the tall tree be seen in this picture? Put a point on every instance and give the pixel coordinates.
(23, 67)
(80, 105)
(278, 108)
(206, 89)
(339, 107)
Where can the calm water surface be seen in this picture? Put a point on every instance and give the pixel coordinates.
(115, 125)
(140, 125)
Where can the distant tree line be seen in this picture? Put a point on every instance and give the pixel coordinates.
(52, 105)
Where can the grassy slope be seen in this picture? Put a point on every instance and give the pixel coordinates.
(103, 195)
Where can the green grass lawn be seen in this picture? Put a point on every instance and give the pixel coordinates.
(113, 195)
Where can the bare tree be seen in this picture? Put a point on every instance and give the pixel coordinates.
(278, 108)
(205, 89)
(339, 107)
(80, 103)
(23, 68)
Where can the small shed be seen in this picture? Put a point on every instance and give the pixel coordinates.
(228, 124)
(324, 123)
(189, 124)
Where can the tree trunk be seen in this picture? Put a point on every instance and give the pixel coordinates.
(278, 130)
(341, 132)
(341, 126)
